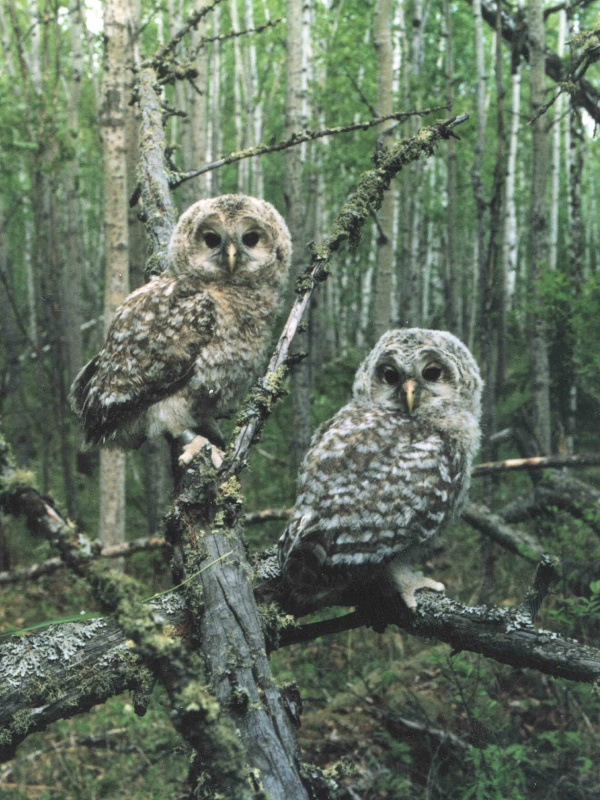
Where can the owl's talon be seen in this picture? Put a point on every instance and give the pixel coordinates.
(408, 582)
(195, 446)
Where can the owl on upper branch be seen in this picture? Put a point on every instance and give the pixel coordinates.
(385, 475)
(183, 349)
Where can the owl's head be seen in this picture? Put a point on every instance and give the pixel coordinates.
(422, 374)
(232, 239)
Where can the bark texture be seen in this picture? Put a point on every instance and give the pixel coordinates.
(382, 39)
(538, 251)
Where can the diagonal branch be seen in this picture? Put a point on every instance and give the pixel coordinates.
(158, 59)
(346, 228)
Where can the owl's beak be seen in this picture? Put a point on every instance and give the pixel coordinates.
(409, 392)
(231, 254)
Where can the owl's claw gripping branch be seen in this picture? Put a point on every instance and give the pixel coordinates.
(192, 449)
(407, 582)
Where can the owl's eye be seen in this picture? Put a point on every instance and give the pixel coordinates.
(212, 239)
(250, 239)
(390, 376)
(432, 372)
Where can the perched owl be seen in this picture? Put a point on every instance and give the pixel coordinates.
(183, 350)
(386, 474)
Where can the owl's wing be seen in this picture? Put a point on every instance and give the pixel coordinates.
(149, 353)
(370, 490)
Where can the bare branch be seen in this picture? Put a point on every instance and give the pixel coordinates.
(53, 564)
(157, 60)
(222, 37)
(540, 462)
(298, 137)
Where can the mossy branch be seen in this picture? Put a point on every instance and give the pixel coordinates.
(296, 138)
(346, 226)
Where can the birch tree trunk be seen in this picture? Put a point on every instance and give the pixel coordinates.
(238, 101)
(112, 115)
(215, 102)
(451, 279)
(538, 230)
(382, 40)
(510, 254)
(194, 127)
(412, 272)
(253, 104)
(295, 217)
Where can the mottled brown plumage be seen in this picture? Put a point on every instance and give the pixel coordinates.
(386, 474)
(183, 349)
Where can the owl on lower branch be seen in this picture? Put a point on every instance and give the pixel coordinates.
(183, 350)
(386, 475)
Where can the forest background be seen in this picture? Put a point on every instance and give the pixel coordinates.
(496, 237)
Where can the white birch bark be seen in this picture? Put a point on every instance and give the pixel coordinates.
(382, 41)
(254, 102)
(215, 102)
(113, 111)
(238, 100)
(511, 247)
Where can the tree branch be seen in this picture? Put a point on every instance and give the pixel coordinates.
(346, 228)
(506, 635)
(540, 462)
(515, 31)
(158, 59)
(296, 138)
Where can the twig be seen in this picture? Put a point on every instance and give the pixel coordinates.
(157, 60)
(539, 462)
(296, 138)
(222, 37)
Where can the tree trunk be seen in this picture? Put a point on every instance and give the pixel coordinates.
(194, 127)
(113, 116)
(538, 230)
(215, 102)
(253, 104)
(238, 100)
(555, 161)
(452, 280)
(510, 229)
(294, 203)
(382, 40)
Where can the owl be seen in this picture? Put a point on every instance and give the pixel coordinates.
(182, 350)
(385, 475)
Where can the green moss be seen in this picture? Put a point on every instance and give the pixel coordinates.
(274, 622)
